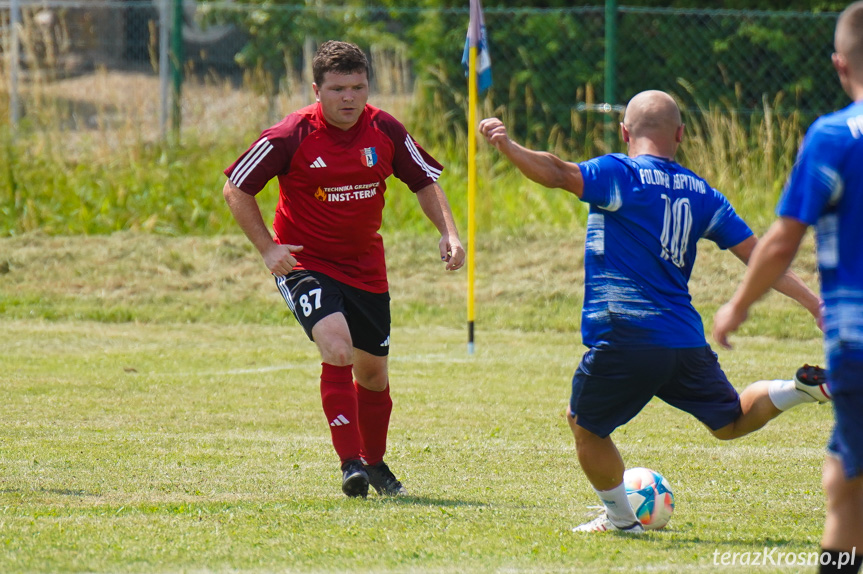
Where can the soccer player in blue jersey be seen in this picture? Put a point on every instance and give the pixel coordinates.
(825, 190)
(644, 337)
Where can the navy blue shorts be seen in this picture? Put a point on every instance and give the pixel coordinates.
(611, 386)
(311, 296)
(845, 380)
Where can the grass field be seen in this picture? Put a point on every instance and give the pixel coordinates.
(160, 413)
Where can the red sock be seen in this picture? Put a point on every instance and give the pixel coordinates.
(374, 409)
(339, 399)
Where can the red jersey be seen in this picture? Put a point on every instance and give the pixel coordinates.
(331, 188)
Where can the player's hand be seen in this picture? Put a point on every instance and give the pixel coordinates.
(451, 252)
(280, 259)
(726, 321)
(494, 132)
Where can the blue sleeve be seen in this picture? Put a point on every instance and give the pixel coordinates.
(815, 179)
(604, 178)
(726, 228)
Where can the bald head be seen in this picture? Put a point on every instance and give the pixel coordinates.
(652, 114)
(848, 39)
(652, 125)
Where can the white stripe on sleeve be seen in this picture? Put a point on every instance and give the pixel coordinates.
(258, 152)
(432, 172)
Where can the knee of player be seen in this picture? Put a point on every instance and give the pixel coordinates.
(583, 437)
(338, 353)
(376, 381)
(725, 433)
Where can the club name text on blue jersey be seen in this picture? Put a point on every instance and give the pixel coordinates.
(676, 181)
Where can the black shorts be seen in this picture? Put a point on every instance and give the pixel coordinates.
(611, 386)
(311, 296)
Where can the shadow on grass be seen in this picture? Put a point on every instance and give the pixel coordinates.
(428, 501)
(60, 491)
(681, 539)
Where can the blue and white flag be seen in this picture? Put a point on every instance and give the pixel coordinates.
(476, 36)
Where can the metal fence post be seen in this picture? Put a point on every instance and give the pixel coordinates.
(14, 62)
(177, 65)
(164, 64)
(610, 69)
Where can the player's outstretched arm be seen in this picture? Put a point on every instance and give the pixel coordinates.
(434, 204)
(767, 266)
(542, 167)
(244, 207)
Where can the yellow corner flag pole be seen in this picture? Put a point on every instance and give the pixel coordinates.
(471, 194)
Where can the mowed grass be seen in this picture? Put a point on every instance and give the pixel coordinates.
(160, 413)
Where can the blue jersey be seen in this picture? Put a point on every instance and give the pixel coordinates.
(646, 217)
(826, 190)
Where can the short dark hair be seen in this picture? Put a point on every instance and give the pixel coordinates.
(339, 58)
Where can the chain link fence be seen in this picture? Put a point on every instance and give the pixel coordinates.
(549, 66)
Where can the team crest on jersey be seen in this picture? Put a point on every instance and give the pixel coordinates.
(369, 156)
(320, 194)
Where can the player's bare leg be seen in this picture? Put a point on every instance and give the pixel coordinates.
(843, 527)
(599, 458)
(602, 464)
(333, 338)
(757, 408)
(370, 371)
(763, 401)
(339, 400)
(375, 406)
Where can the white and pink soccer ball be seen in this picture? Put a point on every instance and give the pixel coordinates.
(650, 495)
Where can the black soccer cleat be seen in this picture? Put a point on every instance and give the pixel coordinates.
(384, 481)
(355, 479)
(812, 380)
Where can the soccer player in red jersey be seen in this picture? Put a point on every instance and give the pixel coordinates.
(332, 159)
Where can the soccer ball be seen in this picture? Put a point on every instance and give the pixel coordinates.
(650, 496)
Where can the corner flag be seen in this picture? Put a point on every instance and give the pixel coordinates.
(477, 64)
(476, 37)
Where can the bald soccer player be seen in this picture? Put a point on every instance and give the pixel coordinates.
(825, 191)
(644, 337)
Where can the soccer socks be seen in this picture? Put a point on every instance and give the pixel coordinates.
(785, 395)
(359, 418)
(617, 506)
(339, 399)
(374, 419)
